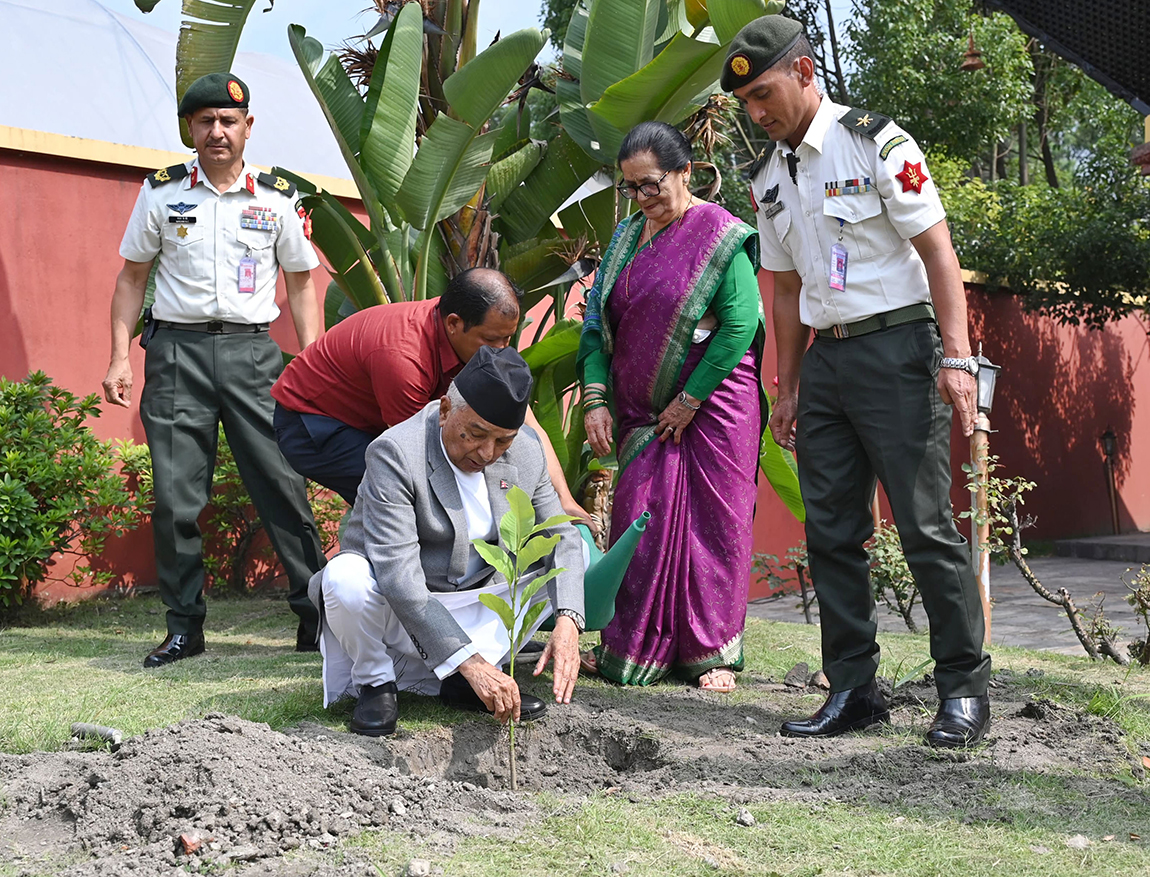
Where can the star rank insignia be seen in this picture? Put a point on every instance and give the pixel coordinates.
(864, 121)
(182, 231)
(912, 176)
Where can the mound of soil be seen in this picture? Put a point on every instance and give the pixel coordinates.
(219, 791)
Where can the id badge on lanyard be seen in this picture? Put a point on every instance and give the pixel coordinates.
(838, 273)
(247, 274)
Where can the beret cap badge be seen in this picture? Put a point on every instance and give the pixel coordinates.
(740, 65)
(235, 91)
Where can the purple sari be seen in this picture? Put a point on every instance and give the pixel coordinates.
(682, 606)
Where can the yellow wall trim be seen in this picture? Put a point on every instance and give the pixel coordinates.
(45, 143)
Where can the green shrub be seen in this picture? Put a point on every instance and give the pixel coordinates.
(62, 490)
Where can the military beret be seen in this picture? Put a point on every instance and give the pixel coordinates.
(758, 47)
(214, 90)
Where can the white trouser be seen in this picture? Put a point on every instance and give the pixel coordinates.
(363, 643)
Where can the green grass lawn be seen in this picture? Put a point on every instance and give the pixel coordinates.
(84, 663)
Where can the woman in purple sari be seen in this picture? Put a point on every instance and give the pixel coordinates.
(669, 363)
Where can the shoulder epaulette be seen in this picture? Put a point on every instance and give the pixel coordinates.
(278, 183)
(167, 174)
(763, 157)
(865, 123)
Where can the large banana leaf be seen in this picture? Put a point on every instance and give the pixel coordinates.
(506, 175)
(534, 269)
(563, 170)
(334, 302)
(778, 464)
(393, 102)
(337, 239)
(561, 341)
(545, 405)
(448, 170)
(478, 89)
(308, 51)
(730, 16)
(513, 131)
(572, 107)
(621, 39)
(665, 89)
(593, 217)
(207, 43)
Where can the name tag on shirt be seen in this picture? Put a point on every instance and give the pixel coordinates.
(838, 275)
(770, 210)
(247, 275)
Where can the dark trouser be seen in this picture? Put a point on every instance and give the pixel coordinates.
(870, 406)
(192, 382)
(324, 449)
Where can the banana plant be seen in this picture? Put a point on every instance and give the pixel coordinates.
(445, 188)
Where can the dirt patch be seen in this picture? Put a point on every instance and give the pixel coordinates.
(221, 791)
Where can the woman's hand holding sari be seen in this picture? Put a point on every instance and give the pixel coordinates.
(675, 418)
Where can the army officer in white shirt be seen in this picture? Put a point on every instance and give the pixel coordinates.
(221, 231)
(852, 228)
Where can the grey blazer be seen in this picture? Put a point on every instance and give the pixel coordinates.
(409, 523)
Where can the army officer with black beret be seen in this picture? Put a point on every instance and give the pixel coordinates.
(221, 230)
(852, 228)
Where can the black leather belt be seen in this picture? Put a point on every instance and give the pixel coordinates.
(215, 327)
(919, 313)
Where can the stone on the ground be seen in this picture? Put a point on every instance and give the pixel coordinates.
(797, 676)
(417, 868)
(745, 817)
(819, 680)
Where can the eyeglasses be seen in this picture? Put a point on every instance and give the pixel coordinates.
(631, 192)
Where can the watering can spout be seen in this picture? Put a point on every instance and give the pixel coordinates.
(604, 575)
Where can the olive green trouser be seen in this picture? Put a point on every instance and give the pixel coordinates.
(870, 406)
(193, 381)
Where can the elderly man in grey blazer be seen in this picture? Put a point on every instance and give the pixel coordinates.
(400, 602)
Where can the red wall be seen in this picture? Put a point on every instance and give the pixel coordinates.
(59, 256)
(1059, 389)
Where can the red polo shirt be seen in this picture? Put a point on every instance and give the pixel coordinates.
(373, 370)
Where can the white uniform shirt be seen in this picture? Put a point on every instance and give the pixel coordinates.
(799, 222)
(480, 525)
(198, 275)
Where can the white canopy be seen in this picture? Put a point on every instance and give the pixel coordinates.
(75, 68)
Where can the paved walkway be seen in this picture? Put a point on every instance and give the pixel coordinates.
(1019, 617)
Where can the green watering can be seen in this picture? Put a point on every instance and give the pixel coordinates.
(605, 574)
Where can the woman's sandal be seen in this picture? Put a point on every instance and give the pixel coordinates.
(720, 679)
(587, 662)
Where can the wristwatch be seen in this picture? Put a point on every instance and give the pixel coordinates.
(580, 622)
(968, 364)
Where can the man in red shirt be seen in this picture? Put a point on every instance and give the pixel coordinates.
(381, 366)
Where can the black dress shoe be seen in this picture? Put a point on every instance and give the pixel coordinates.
(457, 693)
(376, 710)
(176, 647)
(850, 710)
(306, 638)
(960, 722)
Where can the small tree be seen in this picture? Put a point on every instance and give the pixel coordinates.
(525, 546)
(890, 576)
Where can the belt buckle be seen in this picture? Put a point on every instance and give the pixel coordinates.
(216, 327)
(840, 331)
